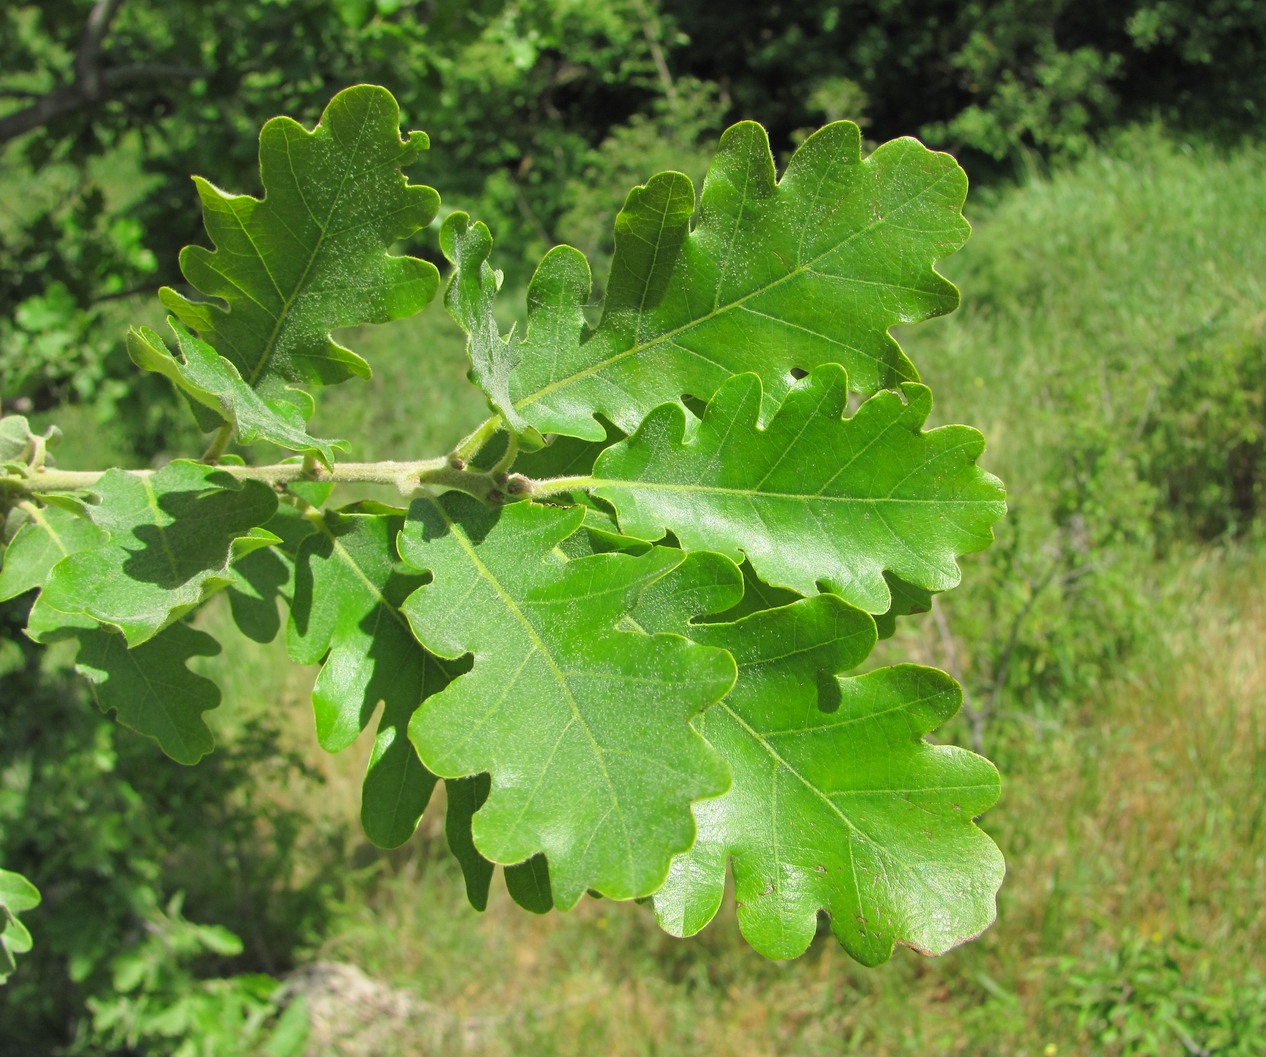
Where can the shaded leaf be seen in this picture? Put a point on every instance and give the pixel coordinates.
(266, 576)
(211, 380)
(48, 536)
(583, 728)
(260, 578)
(774, 276)
(906, 600)
(527, 882)
(310, 256)
(173, 538)
(529, 885)
(151, 688)
(345, 615)
(860, 496)
(465, 797)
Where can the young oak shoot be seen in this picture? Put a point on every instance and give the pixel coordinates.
(620, 620)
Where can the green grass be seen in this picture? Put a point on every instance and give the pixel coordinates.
(418, 403)
(1080, 290)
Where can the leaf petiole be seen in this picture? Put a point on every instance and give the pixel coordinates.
(469, 446)
(219, 444)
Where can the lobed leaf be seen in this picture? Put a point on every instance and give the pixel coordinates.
(527, 882)
(773, 276)
(469, 301)
(345, 615)
(583, 728)
(266, 576)
(17, 442)
(310, 256)
(17, 895)
(151, 688)
(212, 381)
(148, 686)
(49, 535)
(860, 497)
(837, 803)
(173, 538)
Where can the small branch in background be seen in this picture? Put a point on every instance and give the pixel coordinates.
(978, 716)
(87, 68)
(650, 29)
(975, 717)
(122, 295)
(92, 82)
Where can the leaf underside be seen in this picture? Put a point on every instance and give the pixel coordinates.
(213, 382)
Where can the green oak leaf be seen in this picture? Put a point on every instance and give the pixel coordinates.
(49, 535)
(345, 614)
(174, 536)
(310, 256)
(17, 442)
(212, 381)
(465, 797)
(17, 895)
(266, 576)
(527, 882)
(469, 301)
(774, 276)
(838, 803)
(812, 499)
(583, 728)
(906, 600)
(758, 596)
(150, 688)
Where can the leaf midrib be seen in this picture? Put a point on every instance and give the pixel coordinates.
(270, 346)
(541, 647)
(799, 497)
(669, 336)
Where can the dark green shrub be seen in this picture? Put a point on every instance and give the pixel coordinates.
(1204, 448)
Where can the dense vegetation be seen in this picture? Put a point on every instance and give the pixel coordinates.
(1110, 345)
